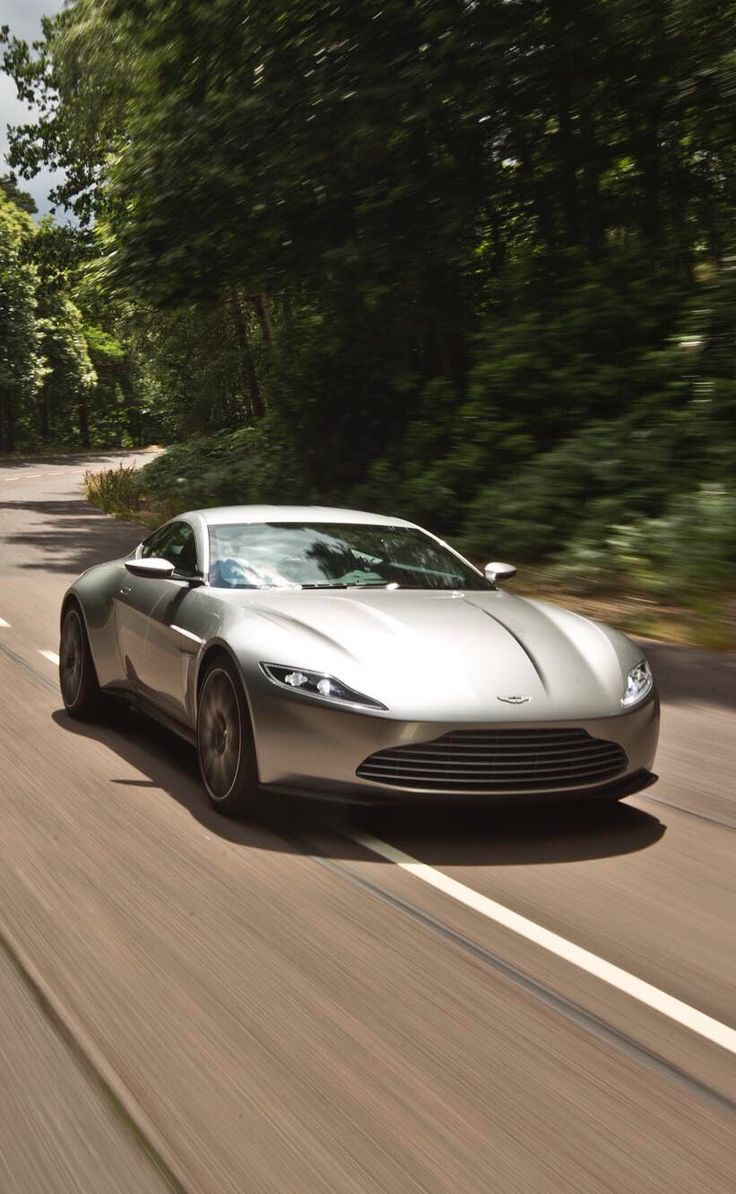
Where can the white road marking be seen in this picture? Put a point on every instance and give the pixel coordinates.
(660, 1001)
(51, 656)
(4, 625)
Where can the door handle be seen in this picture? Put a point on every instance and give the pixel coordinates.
(125, 592)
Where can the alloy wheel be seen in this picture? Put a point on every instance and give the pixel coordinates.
(219, 734)
(71, 658)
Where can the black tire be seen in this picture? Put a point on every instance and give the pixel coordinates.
(80, 690)
(225, 744)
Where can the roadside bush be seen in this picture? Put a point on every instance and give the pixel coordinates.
(605, 475)
(231, 468)
(114, 490)
(691, 551)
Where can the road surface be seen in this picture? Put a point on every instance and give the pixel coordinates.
(547, 1004)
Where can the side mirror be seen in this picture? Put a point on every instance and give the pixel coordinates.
(150, 566)
(496, 572)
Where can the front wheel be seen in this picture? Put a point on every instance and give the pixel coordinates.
(80, 690)
(225, 745)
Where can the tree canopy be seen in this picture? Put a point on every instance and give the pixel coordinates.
(468, 260)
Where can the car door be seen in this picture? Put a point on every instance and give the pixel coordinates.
(170, 649)
(135, 598)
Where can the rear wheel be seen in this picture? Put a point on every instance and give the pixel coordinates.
(80, 690)
(225, 745)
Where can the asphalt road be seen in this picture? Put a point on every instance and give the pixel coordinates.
(546, 1005)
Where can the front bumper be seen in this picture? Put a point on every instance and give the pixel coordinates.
(309, 748)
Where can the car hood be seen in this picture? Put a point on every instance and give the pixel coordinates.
(437, 655)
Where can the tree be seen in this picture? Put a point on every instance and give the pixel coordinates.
(429, 248)
(69, 376)
(12, 192)
(19, 355)
(78, 77)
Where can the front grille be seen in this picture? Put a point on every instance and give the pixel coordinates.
(513, 760)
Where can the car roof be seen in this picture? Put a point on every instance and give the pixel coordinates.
(229, 515)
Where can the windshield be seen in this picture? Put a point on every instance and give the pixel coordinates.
(288, 555)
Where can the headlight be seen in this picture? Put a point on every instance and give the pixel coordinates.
(317, 684)
(639, 683)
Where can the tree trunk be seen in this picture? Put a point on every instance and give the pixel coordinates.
(7, 421)
(250, 378)
(262, 306)
(132, 412)
(590, 155)
(649, 167)
(654, 93)
(567, 164)
(83, 420)
(44, 411)
(444, 307)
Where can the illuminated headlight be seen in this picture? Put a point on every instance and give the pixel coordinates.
(639, 683)
(317, 684)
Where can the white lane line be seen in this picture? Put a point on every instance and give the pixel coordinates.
(51, 656)
(660, 1001)
(29, 476)
(4, 625)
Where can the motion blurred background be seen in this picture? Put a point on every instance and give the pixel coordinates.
(472, 263)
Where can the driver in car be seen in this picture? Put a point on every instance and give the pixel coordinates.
(239, 574)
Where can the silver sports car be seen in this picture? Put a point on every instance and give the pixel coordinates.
(356, 657)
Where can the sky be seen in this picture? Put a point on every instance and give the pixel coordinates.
(24, 19)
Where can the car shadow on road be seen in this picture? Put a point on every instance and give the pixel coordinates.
(446, 836)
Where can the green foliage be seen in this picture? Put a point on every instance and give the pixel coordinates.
(68, 374)
(20, 361)
(64, 379)
(464, 261)
(691, 548)
(252, 465)
(79, 78)
(13, 193)
(299, 127)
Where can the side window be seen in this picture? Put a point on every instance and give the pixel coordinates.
(177, 544)
(185, 549)
(153, 545)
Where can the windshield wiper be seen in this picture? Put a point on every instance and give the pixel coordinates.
(373, 584)
(353, 584)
